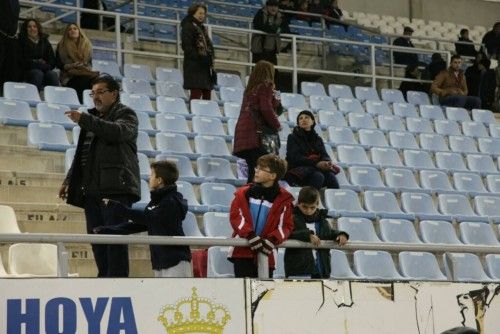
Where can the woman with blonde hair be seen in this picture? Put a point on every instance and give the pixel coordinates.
(74, 59)
(259, 114)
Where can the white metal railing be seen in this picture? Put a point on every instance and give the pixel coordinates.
(61, 239)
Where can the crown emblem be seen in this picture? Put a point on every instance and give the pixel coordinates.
(194, 315)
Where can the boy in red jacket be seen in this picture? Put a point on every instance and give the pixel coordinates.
(261, 212)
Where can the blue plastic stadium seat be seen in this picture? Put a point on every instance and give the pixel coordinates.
(210, 126)
(418, 98)
(136, 86)
(289, 100)
(489, 145)
(61, 95)
(481, 163)
(232, 109)
(421, 206)
(175, 143)
(464, 267)
(340, 266)
(229, 80)
(184, 166)
(436, 181)
(138, 71)
(390, 123)
(375, 265)
(212, 146)
(438, 232)
(205, 108)
(433, 142)
(169, 74)
(493, 266)
(231, 94)
(144, 145)
(477, 234)
(217, 170)
(417, 159)
(216, 224)
(340, 91)
(173, 123)
(144, 167)
(218, 266)
(469, 183)
(488, 206)
(190, 226)
(48, 137)
(359, 229)
(431, 112)
(145, 197)
(170, 89)
(137, 102)
(447, 127)
(493, 183)
(450, 161)
(392, 95)
(398, 231)
(145, 123)
(312, 88)
(401, 179)
(474, 129)
(366, 178)
(109, 67)
(384, 205)
(405, 110)
(462, 144)
(420, 266)
(366, 93)
(345, 202)
(331, 118)
(385, 157)
(339, 135)
(483, 115)
(22, 92)
(402, 140)
(54, 113)
(459, 207)
(419, 125)
(361, 121)
(322, 102)
(173, 105)
(457, 114)
(371, 137)
(15, 113)
(350, 105)
(217, 196)
(352, 155)
(87, 99)
(187, 191)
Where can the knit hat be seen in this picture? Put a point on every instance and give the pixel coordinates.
(272, 3)
(308, 113)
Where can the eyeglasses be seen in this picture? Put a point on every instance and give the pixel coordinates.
(99, 92)
(257, 168)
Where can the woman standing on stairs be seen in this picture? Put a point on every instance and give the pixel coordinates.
(198, 68)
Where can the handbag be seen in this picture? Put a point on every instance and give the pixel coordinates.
(269, 139)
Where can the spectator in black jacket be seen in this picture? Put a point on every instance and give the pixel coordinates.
(37, 56)
(491, 41)
(412, 72)
(436, 65)
(333, 10)
(163, 216)
(465, 49)
(481, 81)
(105, 166)
(311, 225)
(308, 162)
(405, 58)
(9, 15)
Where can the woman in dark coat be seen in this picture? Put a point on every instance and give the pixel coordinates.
(37, 56)
(308, 162)
(199, 74)
(259, 108)
(412, 72)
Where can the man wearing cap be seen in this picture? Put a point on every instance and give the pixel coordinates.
(405, 58)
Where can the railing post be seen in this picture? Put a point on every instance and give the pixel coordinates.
(136, 23)
(78, 13)
(263, 266)
(62, 260)
(179, 42)
(294, 65)
(101, 25)
(119, 52)
(373, 66)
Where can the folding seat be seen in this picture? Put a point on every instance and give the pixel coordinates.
(477, 234)
(231, 94)
(350, 105)
(366, 178)
(331, 118)
(340, 91)
(137, 102)
(417, 159)
(138, 71)
(344, 182)
(171, 105)
(209, 126)
(401, 179)
(109, 67)
(145, 123)
(384, 205)
(493, 183)
(447, 127)
(187, 191)
(170, 89)
(366, 93)
(368, 137)
(375, 265)
(361, 121)
(9, 220)
(319, 102)
(217, 196)
(232, 109)
(464, 267)
(418, 98)
(483, 115)
(422, 206)
(420, 266)
(217, 263)
(377, 108)
(289, 100)
(285, 131)
(474, 129)
(15, 113)
(402, 140)
(419, 125)
(489, 145)
(190, 226)
(398, 231)
(134, 86)
(359, 229)
(392, 96)
(431, 112)
(469, 183)
(494, 130)
(436, 181)
(144, 145)
(438, 232)
(341, 135)
(462, 144)
(212, 146)
(144, 167)
(175, 143)
(457, 114)
(22, 92)
(173, 123)
(345, 202)
(493, 266)
(205, 108)
(87, 99)
(35, 260)
(390, 123)
(229, 80)
(382, 156)
(459, 207)
(488, 206)
(481, 163)
(405, 110)
(216, 224)
(169, 74)
(48, 137)
(340, 265)
(61, 95)
(352, 155)
(292, 115)
(433, 142)
(312, 88)
(217, 170)
(145, 197)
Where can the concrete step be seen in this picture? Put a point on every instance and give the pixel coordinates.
(32, 179)
(28, 159)
(46, 212)
(15, 193)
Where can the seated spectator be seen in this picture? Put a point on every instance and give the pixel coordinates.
(451, 87)
(316, 7)
(74, 59)
(491, 41)
(303, 7)
(465, 49)
(37, 56)
(473, 74)
(405, 58)
(333, 11)
(412, 72)
(486, 85)
(436, 65)
(308, 162)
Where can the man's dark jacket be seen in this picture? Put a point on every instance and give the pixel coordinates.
(300, 261)
(404, 58)
(112, 164)
(9, 14)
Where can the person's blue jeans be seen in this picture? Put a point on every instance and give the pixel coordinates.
(41, 79)
(111, 260)
(461, 101)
